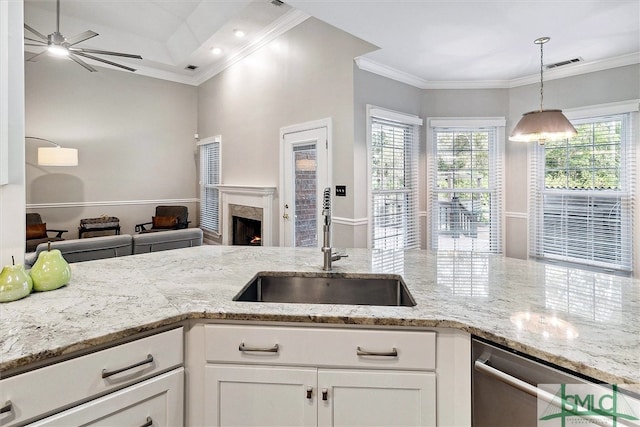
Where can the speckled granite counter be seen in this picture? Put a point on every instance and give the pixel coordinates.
(586, 322)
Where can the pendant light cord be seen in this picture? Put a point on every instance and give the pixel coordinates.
(541, 80)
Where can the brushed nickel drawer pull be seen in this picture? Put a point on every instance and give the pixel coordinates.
(393, 353)
(107, 374)
(325, 394)
(149, 423)
(309, 392)
(7, 407)
(273, 349)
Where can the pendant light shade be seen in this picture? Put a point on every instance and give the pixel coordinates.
(545, 125)
(542, 125)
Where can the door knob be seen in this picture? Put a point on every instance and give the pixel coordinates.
(285, 216)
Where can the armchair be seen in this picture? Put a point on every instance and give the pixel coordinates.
(167, 217)
(37, 232)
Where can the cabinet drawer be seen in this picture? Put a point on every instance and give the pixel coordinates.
(155, 402)
(47, 389)
(384, 349)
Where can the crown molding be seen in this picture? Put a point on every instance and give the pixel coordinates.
(366, 64)
(374, 67)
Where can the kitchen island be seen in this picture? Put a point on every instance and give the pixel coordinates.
(580, 320)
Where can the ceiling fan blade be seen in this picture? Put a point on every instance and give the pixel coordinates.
(105, 52)
(35, 32)
(41, 43)
(81, 37)
(34, 58)
(95, 58)
(81, 62)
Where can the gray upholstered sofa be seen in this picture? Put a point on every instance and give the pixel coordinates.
(164, 240)
(77, 250)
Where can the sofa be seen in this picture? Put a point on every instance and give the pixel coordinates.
(78, 250)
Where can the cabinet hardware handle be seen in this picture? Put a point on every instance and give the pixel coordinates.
(7, 407)
(149, 423)
(325, 394)
(361, 352)
(273, 349)
(482, 366)
(309, 392)
(107, 374)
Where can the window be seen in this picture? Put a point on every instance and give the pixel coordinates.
(209, 179)
(465, 184)
(583, 198)
(393, 165)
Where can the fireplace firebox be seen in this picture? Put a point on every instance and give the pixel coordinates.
(247, 231)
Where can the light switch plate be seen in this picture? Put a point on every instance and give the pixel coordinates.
(341, 190)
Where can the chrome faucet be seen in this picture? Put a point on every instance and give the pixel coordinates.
(329, 255)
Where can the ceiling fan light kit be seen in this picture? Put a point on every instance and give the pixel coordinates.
(59, 45)
(542, 125)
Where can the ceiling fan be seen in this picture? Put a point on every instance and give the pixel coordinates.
(58, 44)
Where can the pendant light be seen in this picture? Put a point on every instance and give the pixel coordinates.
(542, 125)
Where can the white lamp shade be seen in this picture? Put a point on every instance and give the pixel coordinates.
(57, 156)
(541, 126)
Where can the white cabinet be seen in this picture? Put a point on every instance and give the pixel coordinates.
(260, 396)
(376, 398)
(42, 392)
(156, 402)
(278, 376)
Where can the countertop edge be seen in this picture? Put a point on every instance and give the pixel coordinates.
(16, 366)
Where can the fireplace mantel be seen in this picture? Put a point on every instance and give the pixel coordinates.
(259, 196)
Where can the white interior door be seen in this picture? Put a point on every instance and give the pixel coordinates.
(305, 175)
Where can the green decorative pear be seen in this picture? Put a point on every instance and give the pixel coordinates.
(50, 271)
(15, 283)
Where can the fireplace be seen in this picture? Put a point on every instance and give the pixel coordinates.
(251, 203)
(247, 232)
(245, 227)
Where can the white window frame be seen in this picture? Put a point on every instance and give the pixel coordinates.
(206, 223)
(537, 175)
(412, 224)
(496, 179)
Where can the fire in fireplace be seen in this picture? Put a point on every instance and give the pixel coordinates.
(246, 231)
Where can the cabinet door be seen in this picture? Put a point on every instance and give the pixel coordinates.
(376, 398)
(259, 396)
(155, 402)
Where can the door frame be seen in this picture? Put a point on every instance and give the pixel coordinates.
(301, 127)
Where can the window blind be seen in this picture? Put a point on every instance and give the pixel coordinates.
(466, 188)
(209, 193)
(583, 199)
(394, 184)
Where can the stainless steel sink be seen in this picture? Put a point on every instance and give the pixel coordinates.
(327, 288)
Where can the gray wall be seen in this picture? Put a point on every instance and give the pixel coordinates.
(134, 135)
(304, 75)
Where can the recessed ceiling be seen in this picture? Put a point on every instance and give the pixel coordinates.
(428, 43)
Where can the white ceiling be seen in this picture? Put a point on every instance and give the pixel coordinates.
(427, 43)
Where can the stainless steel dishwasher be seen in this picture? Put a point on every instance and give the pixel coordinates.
(505, 385)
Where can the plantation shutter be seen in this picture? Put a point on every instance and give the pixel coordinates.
(209, 179)
(393, 159)
(465, 182)
(583, 203)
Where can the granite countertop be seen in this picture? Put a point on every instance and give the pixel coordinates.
(584, 321)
